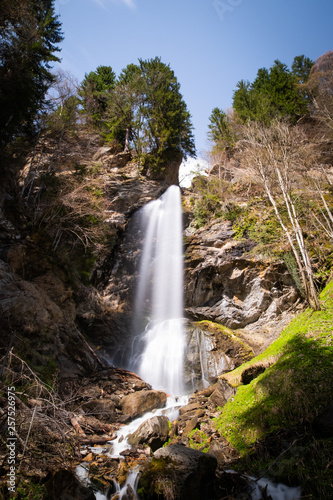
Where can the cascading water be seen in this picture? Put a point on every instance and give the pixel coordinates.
(158, 348)
(160, 295)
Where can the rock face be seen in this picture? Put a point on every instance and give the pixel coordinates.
(138, 403)
(225, 285)
(43, 311)
(153, 432)
(181, 474)
(211, 351)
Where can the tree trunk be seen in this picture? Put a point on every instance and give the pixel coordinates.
(126, 148)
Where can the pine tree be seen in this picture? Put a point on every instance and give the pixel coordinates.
(95, 90)
(145, 110)
(29, 37)
(275, 93)
(220, 132)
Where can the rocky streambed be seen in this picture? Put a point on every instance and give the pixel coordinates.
(136, 442)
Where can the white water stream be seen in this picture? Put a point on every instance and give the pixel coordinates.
(160, 294)
(159, 346)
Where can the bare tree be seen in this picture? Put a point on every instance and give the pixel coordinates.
(277, 154)
(320, 88)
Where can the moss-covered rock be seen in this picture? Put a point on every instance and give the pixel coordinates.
(280, 405)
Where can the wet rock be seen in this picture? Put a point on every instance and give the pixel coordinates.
(212, 349)
(153, 432)
(138, 403)
(180, 473)
(64, 484)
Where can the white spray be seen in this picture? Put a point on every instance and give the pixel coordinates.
(160, 290)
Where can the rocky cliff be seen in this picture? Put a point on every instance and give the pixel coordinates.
(70, 304)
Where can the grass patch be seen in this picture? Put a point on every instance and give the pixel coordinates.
(295, 387)
(286, 398)
(198, 440)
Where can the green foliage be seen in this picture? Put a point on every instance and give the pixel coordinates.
(143, 109)
(219, 130)
(275, 93)
(257, 222)
(94, 92)
(64, 118)
(30, 491)
(296, 387)
(198, 440)
(301, 68)
(29, 34)
(206, 207)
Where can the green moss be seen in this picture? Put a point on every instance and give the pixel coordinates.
(220, 330)
(157, 479)
(269, 421)
(30, 491)
(198, 440)
(296, 387)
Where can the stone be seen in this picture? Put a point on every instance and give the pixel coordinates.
(212, 350)
(140, 402)
(180, 473)
(104, 409)
(189, 408)
(191, 424)
(64, 484)
(226, 285)
(153, 432)
(118, 160)
(222, 393)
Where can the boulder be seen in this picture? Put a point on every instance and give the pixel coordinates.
(138, 403)
(179, 473)
(222, 393)
(212, 349)
(153, 432)
(118, 160)
(64, 484)
(104, 409)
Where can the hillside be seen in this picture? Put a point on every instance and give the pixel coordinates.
(68, 300)
(85, 174)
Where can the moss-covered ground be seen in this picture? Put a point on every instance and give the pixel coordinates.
(270, 420)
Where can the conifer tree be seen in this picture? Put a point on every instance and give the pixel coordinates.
(29, 37)
(275, 93)
(94, 91)
(145, 110)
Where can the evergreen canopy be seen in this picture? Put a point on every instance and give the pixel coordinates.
(275, 93)
(29, 34)
(142, 108)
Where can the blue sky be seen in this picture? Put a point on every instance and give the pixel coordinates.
(210, 44)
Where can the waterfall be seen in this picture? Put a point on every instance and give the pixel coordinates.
(160, 296)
